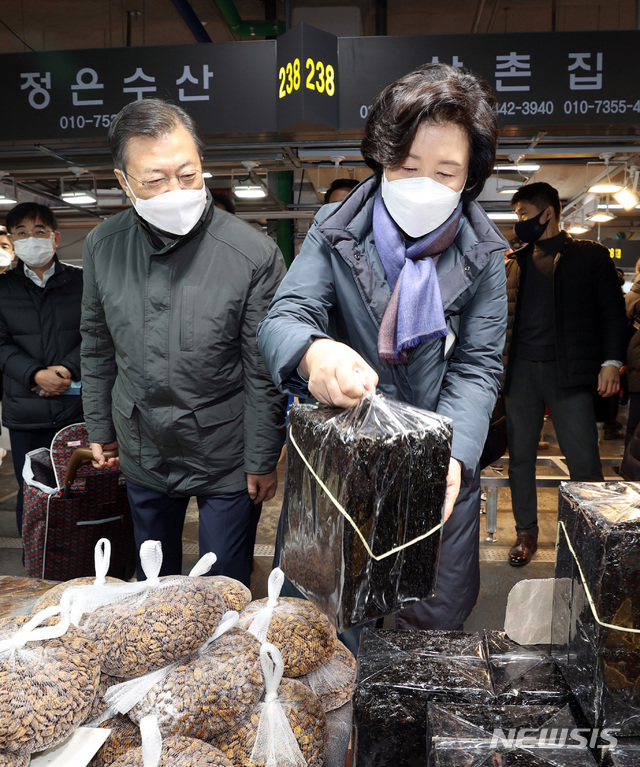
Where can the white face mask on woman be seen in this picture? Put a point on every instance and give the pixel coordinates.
(176, 212)
(418, 205)
(35, 252)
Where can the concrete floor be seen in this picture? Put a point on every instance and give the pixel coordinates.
(497, 576)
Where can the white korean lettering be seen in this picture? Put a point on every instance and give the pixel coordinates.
(86, 79)
(188, 77)
(509, 66)
(139, 89)
(39, 96)
(582, 62)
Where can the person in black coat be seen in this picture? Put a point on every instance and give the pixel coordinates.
(39, 337)
(566, 338)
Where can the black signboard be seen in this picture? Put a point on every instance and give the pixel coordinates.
(225, 87)
(307, 78)
(540, 79)
(310, 78)
(625, 253)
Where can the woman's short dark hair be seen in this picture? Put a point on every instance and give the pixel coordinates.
(153, 118)
(433, 93)
(540, 195)
(30, 211)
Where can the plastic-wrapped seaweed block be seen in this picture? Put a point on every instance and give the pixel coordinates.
(399, 672)
(505, 736)
(596, 603)
(523, 675)
(622, 756)
(365, 491)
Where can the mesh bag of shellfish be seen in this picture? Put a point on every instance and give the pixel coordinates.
(49, 673)
(147, 625)
(233, 592)
(204, 695)
(174, 751)
(288, 729)
(124, 736)
(303, 635)
(334, 681)
(102, 559)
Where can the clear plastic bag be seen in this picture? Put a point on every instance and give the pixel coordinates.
(333, 682)
(49, 673)
(527, 736)
(288, 729)
(302, 634)
(174, 751)
(7, 759)
(102, 558)
(210, 692)
(234, 593)
(362, 523)
(144, 626)
(124, 736)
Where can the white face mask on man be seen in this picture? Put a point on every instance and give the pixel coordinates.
(5, 258)
(418, 205)
(35, 252)
(176, 212)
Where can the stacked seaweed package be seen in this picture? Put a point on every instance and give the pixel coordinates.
(366, 489)
(596, 608)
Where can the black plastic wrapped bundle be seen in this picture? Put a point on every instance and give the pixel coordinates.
(596, 607)
(623, 756)
(399, 672)
(523, 675)
(366, 488)
(502, 736)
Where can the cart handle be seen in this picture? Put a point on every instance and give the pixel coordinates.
(80, 457)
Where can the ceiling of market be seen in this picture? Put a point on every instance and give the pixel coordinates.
(569, 160)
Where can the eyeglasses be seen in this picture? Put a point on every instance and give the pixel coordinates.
(39, 234)
(186, 181)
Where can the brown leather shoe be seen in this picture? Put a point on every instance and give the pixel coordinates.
(524, 548)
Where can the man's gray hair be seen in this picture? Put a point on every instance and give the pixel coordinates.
(148, 117)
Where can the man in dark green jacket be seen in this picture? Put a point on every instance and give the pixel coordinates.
(174, 291)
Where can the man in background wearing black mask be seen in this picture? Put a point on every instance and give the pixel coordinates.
(565, 339)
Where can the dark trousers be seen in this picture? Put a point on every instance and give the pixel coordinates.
(633, 416)
(23, 442)
(532, 386)
(227, 527)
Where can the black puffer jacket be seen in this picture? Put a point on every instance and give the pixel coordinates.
(590, 322)
(39, 327)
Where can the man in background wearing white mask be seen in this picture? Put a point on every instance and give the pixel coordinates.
(39, 337)
(174, 291)
(7, 252)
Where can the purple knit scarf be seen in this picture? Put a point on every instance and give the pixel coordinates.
(414, 313)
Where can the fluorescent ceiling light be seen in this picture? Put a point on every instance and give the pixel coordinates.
(527, 166)
(578, 229)
(4, 200)
(601, 218)
(611, 206)
(502, 216)
(79, 198)
(509, 190)
(627, 198)
(606, 187)
(206, 174)
(247, 191)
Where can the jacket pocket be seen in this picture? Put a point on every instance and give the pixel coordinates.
(126, 422)
(220, 413)
(187, 318)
